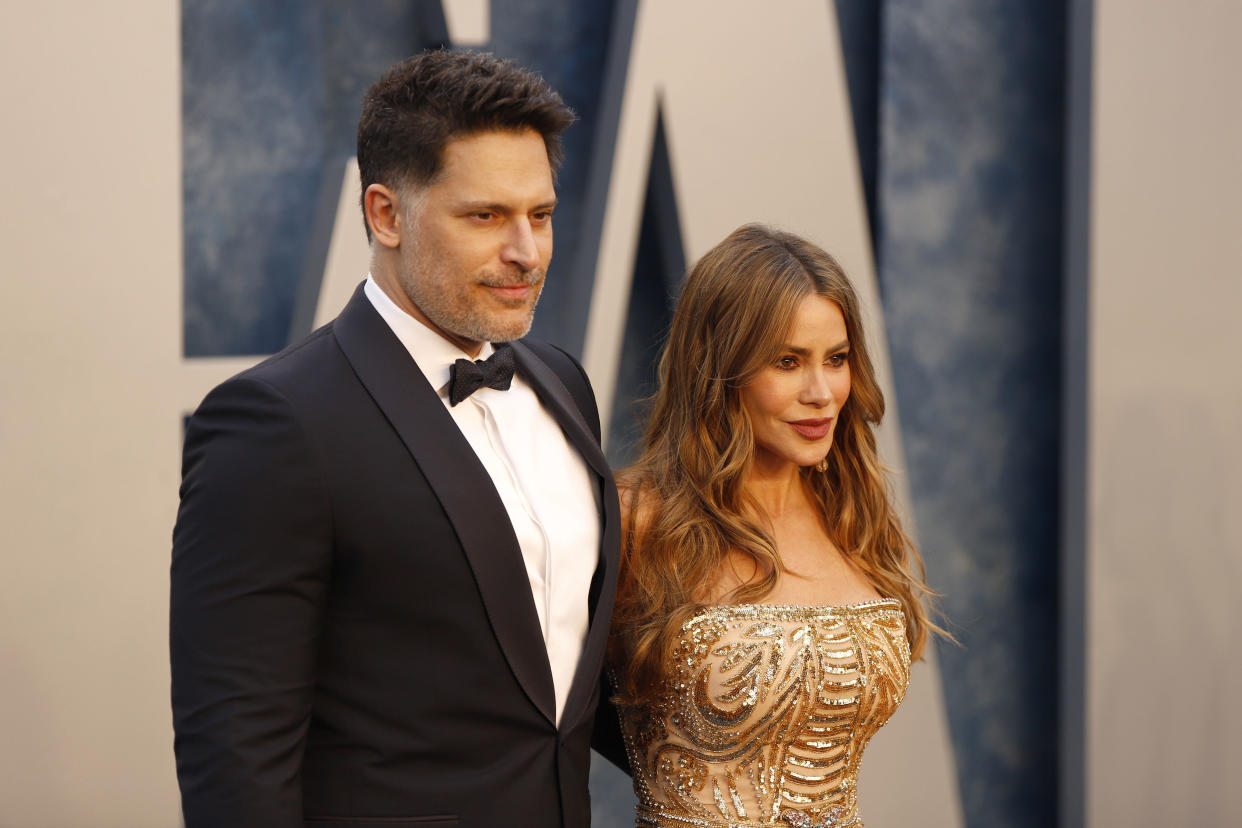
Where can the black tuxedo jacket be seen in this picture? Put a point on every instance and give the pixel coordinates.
(353, 636)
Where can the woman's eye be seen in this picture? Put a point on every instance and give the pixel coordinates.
(787, 363)
(837, 360)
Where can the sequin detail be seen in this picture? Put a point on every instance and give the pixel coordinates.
(764, 715)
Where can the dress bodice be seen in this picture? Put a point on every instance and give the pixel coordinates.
(763, 715)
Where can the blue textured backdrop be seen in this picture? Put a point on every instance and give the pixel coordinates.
(270, 102)
(970, 181)
(270, 99)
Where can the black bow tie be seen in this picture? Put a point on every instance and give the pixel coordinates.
(496, 371)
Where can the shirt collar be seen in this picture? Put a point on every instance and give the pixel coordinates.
(433, 354)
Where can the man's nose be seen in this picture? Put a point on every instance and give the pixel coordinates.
(520, 247)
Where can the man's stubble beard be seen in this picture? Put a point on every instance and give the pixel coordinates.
(447, 302)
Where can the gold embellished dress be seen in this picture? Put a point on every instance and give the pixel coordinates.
(764, 714)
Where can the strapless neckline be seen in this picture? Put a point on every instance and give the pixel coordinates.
(853, 608)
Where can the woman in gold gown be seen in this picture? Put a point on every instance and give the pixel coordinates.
(769, 605)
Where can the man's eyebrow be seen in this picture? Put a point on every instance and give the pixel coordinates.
(802, 352)
(497, 207)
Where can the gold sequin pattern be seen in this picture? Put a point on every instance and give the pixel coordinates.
(765, 712)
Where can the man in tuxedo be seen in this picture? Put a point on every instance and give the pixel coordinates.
(394, 562)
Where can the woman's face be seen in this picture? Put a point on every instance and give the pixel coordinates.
(793, 402)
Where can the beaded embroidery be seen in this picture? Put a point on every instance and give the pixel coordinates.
(764, 716)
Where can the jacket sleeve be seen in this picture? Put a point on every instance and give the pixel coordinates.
(250, 564)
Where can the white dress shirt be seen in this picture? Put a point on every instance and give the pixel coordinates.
(542, 480)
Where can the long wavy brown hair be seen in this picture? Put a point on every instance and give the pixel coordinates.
(685, 498)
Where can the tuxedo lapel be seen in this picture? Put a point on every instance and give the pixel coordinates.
(460, 483)
(559, 402)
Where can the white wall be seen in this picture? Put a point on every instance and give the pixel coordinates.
(1164, 537)
(90, 230)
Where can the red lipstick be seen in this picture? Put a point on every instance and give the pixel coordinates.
(815, 429)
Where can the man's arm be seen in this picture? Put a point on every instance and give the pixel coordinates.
(250, 564)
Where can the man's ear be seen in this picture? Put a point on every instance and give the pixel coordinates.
(382, 209)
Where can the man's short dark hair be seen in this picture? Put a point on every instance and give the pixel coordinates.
(412, 112)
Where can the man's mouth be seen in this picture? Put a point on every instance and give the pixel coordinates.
(510, 290)
(511, 293)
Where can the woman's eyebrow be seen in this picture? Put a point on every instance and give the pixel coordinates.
(799, 351)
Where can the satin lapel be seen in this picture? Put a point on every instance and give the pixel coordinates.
(559, 402)
(461, 484)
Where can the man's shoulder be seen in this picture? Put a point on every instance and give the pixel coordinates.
(307, 361)
(307, 354)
